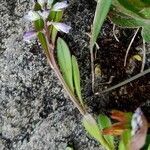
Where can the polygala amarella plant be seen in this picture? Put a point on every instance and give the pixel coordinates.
(46, 18)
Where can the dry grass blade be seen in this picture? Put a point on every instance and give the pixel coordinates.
(144, 56)
(115, 36)
(127, 81)
(125, 59)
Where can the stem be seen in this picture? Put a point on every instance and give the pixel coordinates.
(127, 81)
(144, 56)
(92, 68)
(52, 62)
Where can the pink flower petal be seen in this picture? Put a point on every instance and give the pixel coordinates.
(59, 6)
(49, 3)
(29, 35)
(61, 27)
(32, 16)
(44, 14)
(41, 2)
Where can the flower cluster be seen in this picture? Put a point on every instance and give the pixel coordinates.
(47, 6)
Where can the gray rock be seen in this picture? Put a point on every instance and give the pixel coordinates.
(36, 113)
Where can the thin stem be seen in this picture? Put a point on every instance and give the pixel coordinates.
(144, 56)
(92, 68)
(127, 81)
(114, 26)
(125, 59)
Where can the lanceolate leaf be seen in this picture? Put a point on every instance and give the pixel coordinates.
(100, 15)
(92, 128)
(105, 122)
(43, 41)
(125, 139)
(76, 78)
(65, 63)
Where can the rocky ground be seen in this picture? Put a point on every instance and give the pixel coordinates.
(36, 113)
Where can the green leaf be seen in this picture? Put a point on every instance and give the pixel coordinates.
(92, 127)
(124, 20)
(117, 6)
(65, 63)
(145, 12)
(76, 78)
(148, 147)
(69, 148)
(43, 41)
(100, 15)
(124, 141)
(39, 24)
(105, 122)
(146, 33)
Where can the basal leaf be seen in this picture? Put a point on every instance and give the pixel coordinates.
(43, 41)
(76, 78)
(65, 63)
(100, 15)
(146, 33)
(125, 139)
(105, 122)
(92, 127)
(121, 145)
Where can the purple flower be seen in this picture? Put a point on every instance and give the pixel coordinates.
(41, 2)
(32, 16)
(44, 14)
(49, 3)
(61, 26)
(29, 35)
(59, 6)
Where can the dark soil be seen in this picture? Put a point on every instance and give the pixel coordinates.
(110, 56)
